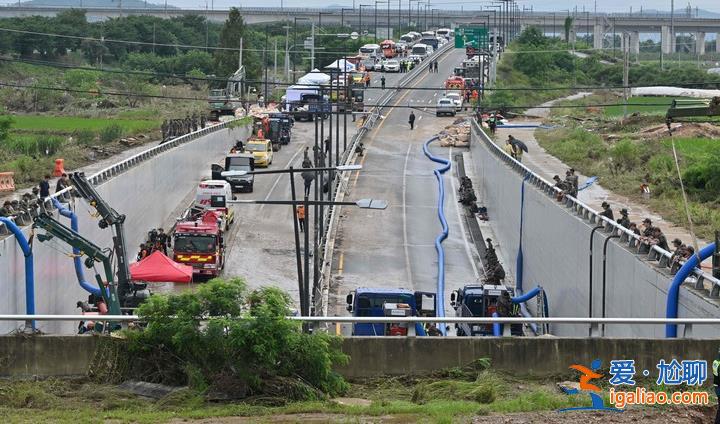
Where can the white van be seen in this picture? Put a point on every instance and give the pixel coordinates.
(420, 50)
(370, 51)
(443, 32)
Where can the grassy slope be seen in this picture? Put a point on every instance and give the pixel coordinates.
(647, 105)
(439, 400)
(589, 153)
(70, 124)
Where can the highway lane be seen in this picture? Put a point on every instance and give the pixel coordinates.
(395, 247)
(261, 245)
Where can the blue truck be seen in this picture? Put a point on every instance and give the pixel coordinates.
(379, 302)
(483, 301)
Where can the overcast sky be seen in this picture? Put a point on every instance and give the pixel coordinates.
(602, 5)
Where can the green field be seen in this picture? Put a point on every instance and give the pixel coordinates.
(70, 124)
(656, 105)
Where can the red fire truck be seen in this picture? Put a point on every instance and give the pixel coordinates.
(198, 241)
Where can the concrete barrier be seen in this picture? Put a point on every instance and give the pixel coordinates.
(556, 245)
(60, 356)
(146, 193)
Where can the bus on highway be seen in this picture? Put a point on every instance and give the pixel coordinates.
(388, 48)
(370, 51)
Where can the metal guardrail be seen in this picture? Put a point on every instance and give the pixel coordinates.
(404, 320)
(341, 182)
(597, 325)
(111, 171)
(660, 257)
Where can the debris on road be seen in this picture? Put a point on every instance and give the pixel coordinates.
(456, 135)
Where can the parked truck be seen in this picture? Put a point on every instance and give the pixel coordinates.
(378, 302)
(226, 101)
(482, 301)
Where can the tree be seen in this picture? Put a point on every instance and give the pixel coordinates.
(229, 339)
(226, 61)
(568, 28)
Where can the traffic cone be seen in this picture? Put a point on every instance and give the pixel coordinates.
(59, 169)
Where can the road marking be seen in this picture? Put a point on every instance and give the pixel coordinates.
(341, 263)
(460, 221)
(408, 268)
(277, 180)
(382, 122)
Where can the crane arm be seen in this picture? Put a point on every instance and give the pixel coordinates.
(110, 217)
(53, 228)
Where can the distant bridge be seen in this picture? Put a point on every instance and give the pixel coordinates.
(367, 19)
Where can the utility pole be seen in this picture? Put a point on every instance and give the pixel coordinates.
(626, 71)
(287, 53)
(672, 28)
(240, 54)
(275, 66)
(312, 49)
(265, 65)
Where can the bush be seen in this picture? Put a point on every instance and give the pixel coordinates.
(49, 145)
(85, 136)
(111, 133)
(245, 348)
(625, 154)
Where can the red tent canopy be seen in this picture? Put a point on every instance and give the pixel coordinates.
(159, 268)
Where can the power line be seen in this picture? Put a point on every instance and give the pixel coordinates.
(141, 43)
(284, 84)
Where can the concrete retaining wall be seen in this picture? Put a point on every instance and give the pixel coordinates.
(147, 193)
(55, 356)
(556, 246)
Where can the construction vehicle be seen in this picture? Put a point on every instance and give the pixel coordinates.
(376, 302)
(692, 107)
(226, 101)
(198, 241)
(280, 128)
(483, 301)
(311, 105)
(235, 162)
(115, 295)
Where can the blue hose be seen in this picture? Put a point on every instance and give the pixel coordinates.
(29, 268)
(79, 273)
(497, 327)
(440, 296)
(519, 261)
(671, 310)
(527, 296)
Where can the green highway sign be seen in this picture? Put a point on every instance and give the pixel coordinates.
(477, 35)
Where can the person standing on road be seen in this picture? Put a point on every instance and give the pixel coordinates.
(411, 120)
(45, 187)
(301, 217)
(382, 82)
(509, 149)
